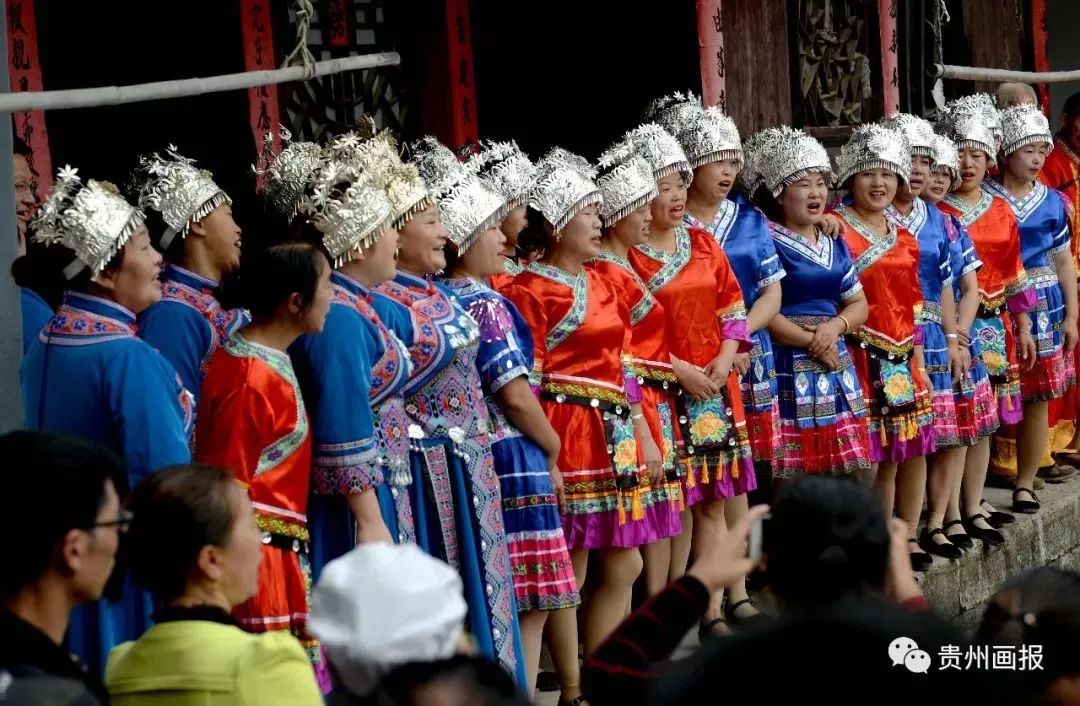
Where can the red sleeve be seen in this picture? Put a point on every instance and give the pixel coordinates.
(534, 313)
(231, 431)
(730, 305)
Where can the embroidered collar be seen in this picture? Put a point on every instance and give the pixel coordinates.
(722, 223)
(646, 302)
(414, 281)
(175, 273)
(821, 254)
(99, 306)
(83, 319)
(349, 284)
(912, 222)
(575, 315)
(1022, 207)
(465, 286)
(278, 360)
(671, 263)
(555, 274)
(682, 244)
(512, 267)
(969, 213)
(879, 244)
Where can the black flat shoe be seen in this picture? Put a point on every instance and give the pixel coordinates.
(996, 519)
(707, 629)
(920, 561)
(733, 619)
(1028, 507)
(946, 549)
(990, 536)
(959, 539)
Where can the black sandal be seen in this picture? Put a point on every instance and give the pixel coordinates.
(990, 536)
(920, 561)
(996, 519)
(1028, 507)
(948, 550)
(705, 628)
(959, 539)
(733, 618)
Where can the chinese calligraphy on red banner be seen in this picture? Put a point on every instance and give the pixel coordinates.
(259, 56)
(24, 70)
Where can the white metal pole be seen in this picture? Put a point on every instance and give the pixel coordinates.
(117, 95)
(11, 408)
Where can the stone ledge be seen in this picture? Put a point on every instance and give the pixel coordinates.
(958, 589)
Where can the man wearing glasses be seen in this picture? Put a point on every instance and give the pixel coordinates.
(62, 520)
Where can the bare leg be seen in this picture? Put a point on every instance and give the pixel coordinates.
(910, 490)
(885, 487)
(657, 557)
(956, 477)
(562, 636)
(971, 489)
(710, 526)
(532, 635)
(869, 476)
(680, 546)
(735, 510)
(1031, 440)
(939, 486)
(610, 596)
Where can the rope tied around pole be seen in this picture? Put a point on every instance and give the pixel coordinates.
(301, 55)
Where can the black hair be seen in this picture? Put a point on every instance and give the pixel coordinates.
(827, 538)
(268, 277)
(1047, 614)
(156, 226)
(1072, 105)
(536, 234)
(175, 513)
(54, 483)
(769, 204)
(19, 146)
(478, 680)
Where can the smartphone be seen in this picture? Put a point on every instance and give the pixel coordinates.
(757, 532)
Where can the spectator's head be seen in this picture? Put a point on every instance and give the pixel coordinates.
(457, 681)
(194, 536)
(826, 538)
(1040, 608)
(1070, 119)
(1010, 94)
(382, 606)
(62, 515)
(287, 283)
(25, 198)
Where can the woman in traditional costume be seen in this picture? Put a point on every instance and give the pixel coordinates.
(581, 331)
(1001, 325)
(457, 507)
(974, 405)
(201, 243)
(524, 446)
(253, 422)
(822, 410)
(688, 273)
(508, 171)
(87, 373)
(936, 320)
(874, 162)
(1045, 237)
(628, 187)
(351, 218)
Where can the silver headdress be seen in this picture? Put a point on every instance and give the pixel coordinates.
(467, 207)
(780, 156)
(347, 208)
(973, 122)
(377, 153)
(661, 150)
(946, 158)
(919, 132)
(564, 186)
(1023, 125)
(181, 192)
(874, 147)
(91, 219)
(626, 182)
(710, 136)
(288, 173)
(672, 112)
(506, 170)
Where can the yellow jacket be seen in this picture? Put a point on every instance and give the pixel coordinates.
(204, 663)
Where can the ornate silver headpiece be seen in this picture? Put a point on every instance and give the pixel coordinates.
(661, 150)
(946, 158)
(626, 182)
(91, 219)
(1023, 125)
(377, 153)
(919, 132)
(671, 112)
(466, 206)
(174, 187)
(564, 186)
(289, 172)
(347, 208)
(780, 156)
(973, 122)
(506, 170)
(874, 146)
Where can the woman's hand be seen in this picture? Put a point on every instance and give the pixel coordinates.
(724, 561)
(826, 335)
(1068, 328)
(831, 225)
(694, 382)
(557, 483)
(742, 363)
(654, 462)
(1027, 351)
(830, 358)
(957, 365)
(719, 368)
